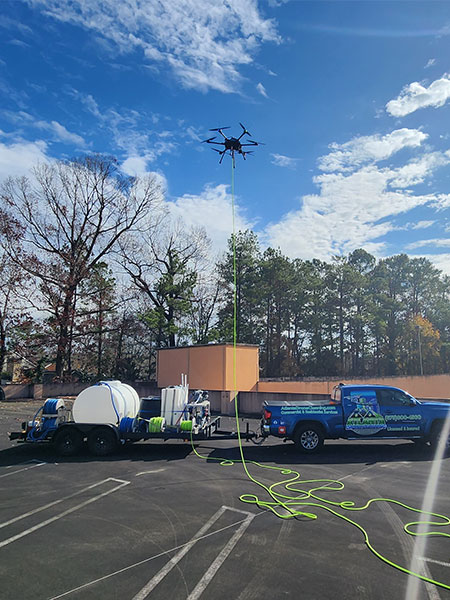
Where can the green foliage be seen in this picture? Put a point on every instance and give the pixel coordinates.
(353, 316)
(247, 259)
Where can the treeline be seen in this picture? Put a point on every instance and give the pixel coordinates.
(96, 276)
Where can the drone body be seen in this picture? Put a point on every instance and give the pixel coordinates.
(232, 145)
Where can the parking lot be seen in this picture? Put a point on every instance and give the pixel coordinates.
(157, 521)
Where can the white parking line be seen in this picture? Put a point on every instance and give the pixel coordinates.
(436, 562)
(150, 586)
(36, 510)
(39, 464)
(66, 512)
(154, 557)
(220, 559)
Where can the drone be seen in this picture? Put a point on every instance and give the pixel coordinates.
(232, 144)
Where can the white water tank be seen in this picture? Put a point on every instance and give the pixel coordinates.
(106, 402)
(173, 402)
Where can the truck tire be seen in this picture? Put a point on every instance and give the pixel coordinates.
(102, 441)
(68, 441)
(309, 438)
(435, 437)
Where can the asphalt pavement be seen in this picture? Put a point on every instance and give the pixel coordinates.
(156, 521)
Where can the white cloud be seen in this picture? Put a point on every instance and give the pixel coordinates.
(262, 90)
(58, 131)
(417, 170)
(203, 42)
(132, 132)
(18, 158)
(357, 199)
(136, 166)
(284, 161)
(437, 242)
(212, 210)
(61, 133)
(430, 63)
(364, 149)
(415, 96)
(441, 201)
(422, 224)
(90, 103)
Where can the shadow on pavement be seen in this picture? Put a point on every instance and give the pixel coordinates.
(333, 452)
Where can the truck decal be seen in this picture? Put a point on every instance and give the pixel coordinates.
(309, 410)
(404, 428)
(413, 417)
(365, 419)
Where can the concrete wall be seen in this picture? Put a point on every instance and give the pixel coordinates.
(427, 386)
(210, 367)
(15, 391)
(40, 391)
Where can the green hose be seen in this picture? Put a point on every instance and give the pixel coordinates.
(186, 426)
(289, 497)
(156, 424)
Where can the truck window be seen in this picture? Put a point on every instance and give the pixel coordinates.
(394, 398)
(336, 394)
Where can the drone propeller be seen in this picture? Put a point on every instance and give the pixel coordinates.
(219, 128)
(245, 130)
(217, 150)
(209, 140)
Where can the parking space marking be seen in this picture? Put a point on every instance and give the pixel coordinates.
(219, 560)
(22, 534)
(38, 464)
(164, 553)
(147, 472)
(150, 586)
(436, 562)
(50, 504)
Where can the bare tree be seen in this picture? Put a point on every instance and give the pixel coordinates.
(164, 265)
(203, 310)
(73, 213)
(11, 284)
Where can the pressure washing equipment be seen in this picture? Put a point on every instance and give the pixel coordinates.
(48, 418)
(106, 402)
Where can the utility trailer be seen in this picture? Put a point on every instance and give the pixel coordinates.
(54, 423)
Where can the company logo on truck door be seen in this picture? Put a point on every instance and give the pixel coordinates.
(365, 419)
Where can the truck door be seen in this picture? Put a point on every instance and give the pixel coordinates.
(402, 414)
(362, 414)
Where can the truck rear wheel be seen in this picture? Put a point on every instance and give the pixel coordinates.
(68, 441)
(308, 438)
(435, 436)
(102, 441)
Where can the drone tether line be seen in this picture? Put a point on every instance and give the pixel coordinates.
(289, 497)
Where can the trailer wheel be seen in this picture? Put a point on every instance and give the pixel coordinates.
(68, 441)
(102, 441)
(308, 438)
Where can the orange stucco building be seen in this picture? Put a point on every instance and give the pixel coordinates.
(210, 367)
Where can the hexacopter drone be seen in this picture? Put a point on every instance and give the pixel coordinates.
(231, 144)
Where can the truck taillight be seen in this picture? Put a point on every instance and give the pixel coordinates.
(267, 414)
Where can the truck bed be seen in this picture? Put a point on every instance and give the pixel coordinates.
(297, 402)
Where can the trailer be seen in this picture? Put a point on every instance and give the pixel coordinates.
(66, 425)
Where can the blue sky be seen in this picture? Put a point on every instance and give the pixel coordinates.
(351, 98)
